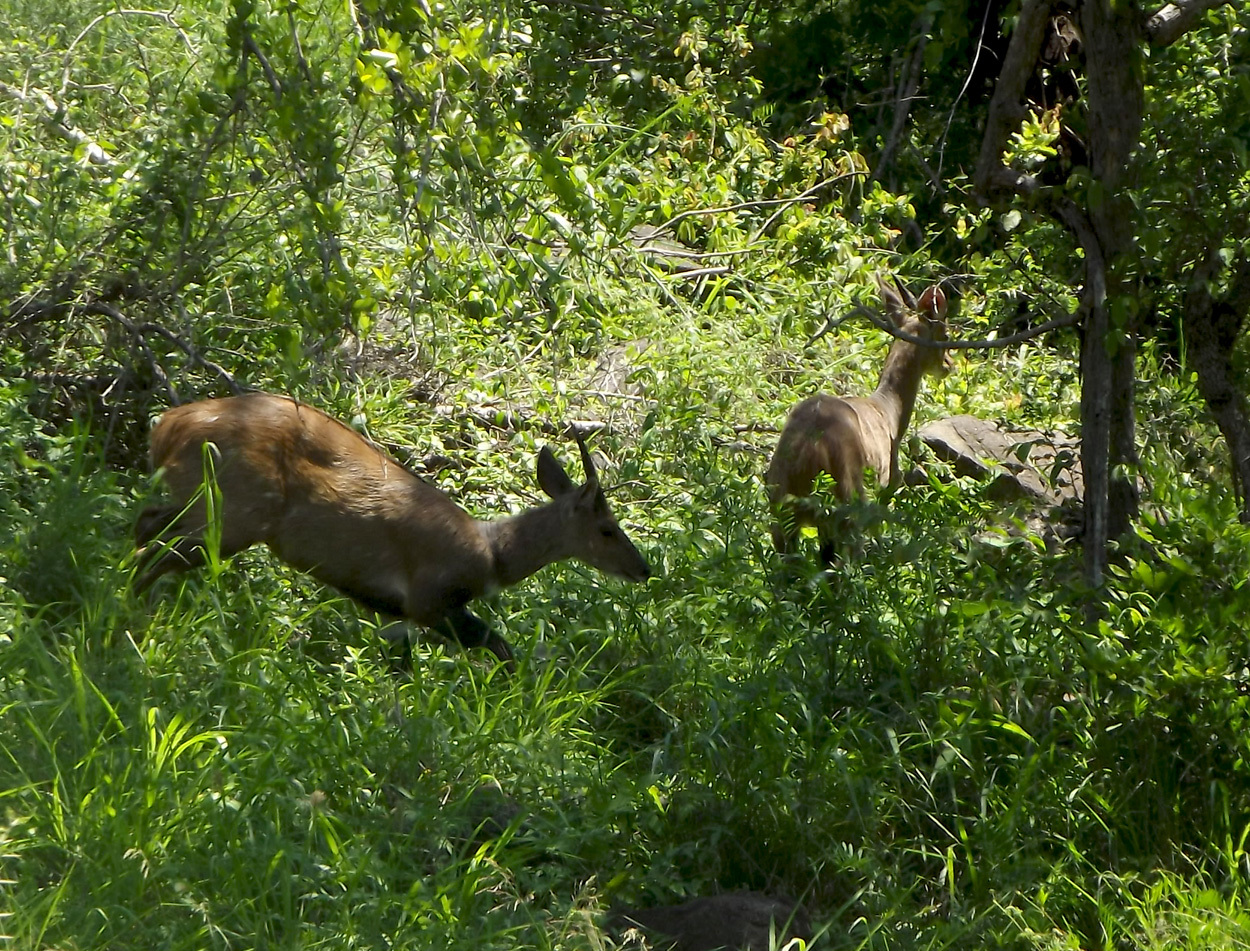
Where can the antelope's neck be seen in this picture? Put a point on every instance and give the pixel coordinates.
(896, 391)
(523, 543)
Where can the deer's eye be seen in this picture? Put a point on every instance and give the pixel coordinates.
(606, 532)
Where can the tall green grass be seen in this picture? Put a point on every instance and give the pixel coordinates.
(927, 747)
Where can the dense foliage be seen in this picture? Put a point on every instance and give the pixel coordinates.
(459, 226)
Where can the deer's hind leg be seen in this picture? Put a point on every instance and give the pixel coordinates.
(838, 531)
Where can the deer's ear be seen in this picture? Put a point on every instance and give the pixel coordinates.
(932, 303)
(892, 301)
(552, 478)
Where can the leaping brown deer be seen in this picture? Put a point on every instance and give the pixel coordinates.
(847, 435)
(330, 503)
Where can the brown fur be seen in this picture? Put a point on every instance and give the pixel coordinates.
(847, 435)
(328, 502)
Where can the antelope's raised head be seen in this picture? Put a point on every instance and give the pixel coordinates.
(924, 318)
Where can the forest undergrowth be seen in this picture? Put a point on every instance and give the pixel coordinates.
(397, 218)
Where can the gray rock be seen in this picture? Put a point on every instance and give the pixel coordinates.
(615, 368)
(740, 921)
(1024, 463)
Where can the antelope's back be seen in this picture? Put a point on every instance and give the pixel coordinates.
(321, 496)
(272, 440)
(822, 434)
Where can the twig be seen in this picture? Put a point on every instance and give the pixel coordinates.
(972, 69)
(694, 255)
(605, 11)
(138, 336)
(1068, 320)
(298, 47)
(142, 330)
(159, 14)
(250, 47)
(832, 323)
(513, 421)
(695, 272)
(908, 86)
(356, 27)
(607, 395)
(31, 310)
(53, 116)
(746, 205)
(802, 196)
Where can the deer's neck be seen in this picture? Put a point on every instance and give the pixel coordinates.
(524, 543)
(896, 391)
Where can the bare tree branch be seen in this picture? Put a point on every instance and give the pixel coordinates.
(1068, 320)
(158, 14)
(802, 196)
(140, 331)
(1168, 24)
(52, 115)
(251, 48)
(780, 203)
(605, 11)
(832, 323)
(1007, 108)
(908, 86)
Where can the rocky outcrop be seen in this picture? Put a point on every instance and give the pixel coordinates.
(1023, 463)
(740, 921)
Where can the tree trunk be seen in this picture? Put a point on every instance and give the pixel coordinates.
(1123, 500)
(1211, 328)
(1096, 401)
(1104, 224)
(1113, 38)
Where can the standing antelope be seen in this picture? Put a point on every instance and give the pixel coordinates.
(330, 503)
(845, 435)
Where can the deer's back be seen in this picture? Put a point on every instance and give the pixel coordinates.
(830, 434)
(321, 496)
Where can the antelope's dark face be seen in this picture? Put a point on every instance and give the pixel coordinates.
(924, 318)
(593, 533)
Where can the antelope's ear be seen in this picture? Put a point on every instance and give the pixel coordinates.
(932, 303)
(552, 478)
(892, 301)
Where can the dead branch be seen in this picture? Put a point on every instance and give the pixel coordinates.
(1168, 24)
(52, 115)
(141, 331)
